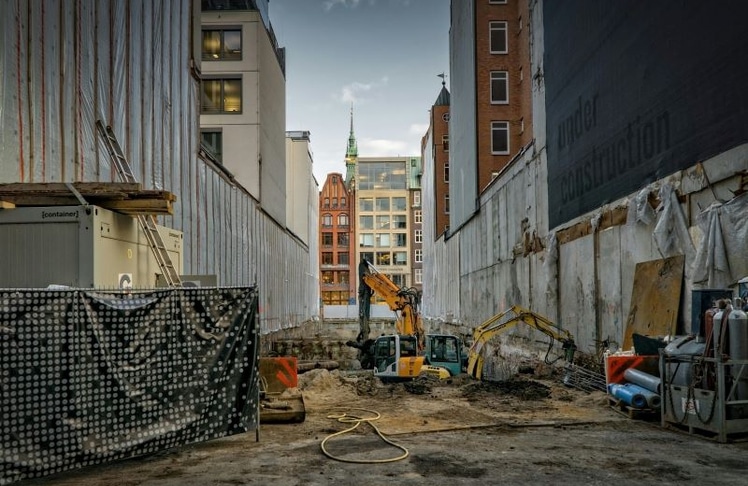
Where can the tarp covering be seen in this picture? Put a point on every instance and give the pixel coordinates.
(88, 377)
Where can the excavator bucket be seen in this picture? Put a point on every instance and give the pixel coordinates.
(280, 399)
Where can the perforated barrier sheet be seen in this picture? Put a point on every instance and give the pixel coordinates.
(88, 377)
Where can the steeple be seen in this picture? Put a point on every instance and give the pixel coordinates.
(352, 146)
(351, 156)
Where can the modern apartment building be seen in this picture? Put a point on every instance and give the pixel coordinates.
(384, 225)
(243, 99)
(302, 187)
(337, 284)
(491, 89)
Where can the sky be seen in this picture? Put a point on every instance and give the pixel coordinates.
(382, 57)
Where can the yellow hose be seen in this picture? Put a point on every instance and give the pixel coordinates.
(347, 418)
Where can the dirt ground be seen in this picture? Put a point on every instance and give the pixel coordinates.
(527, 430)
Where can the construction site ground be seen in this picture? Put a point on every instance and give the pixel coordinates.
(528, 429)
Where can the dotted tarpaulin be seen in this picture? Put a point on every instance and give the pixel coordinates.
(88, 377)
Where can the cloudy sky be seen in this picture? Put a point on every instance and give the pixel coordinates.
(383, 56)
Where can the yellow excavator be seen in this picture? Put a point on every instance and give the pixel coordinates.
(410, 352)
(508, 319)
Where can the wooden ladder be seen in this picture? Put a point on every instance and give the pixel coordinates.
(147, 222)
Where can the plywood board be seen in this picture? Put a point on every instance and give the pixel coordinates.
(655, 299)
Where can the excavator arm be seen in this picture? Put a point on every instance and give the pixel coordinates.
(508, 319)
(403, 301)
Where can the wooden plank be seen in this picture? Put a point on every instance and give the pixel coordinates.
(140, 206)
(6, 205)
(61, 187)
(656, 299)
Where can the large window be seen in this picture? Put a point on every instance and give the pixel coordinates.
(498, 36)
(327, 220)
(399, 204)
(343, 277)
(368, 256)
(366, 204)
(343, 220)
(222, 45)
(383, 221)
(328, 277)
(366, 222)
(343, 239)
(326, 258)
(418, 275)
(221, 96)
(366, 239)
(401, 239)
(326, 238)
(499, 87)
(383, 204)
(383, 258)
(343, 258)
(500, 138)
(383, 240)
(382, 175)
(212, 142)
(399, 221)
(401, 258)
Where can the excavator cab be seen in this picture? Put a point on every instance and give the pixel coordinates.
(445, 351)
(396, 358)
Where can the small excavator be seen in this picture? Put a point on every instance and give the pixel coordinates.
(410, 352)
(508, 319)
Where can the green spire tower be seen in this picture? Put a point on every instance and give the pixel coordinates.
(351, 155)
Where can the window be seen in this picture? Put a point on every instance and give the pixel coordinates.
(335, 202)
(494, 174)
(343, 220)
(343, 258)
(399, 204)
(212, 142)
(383, 240)
(326, 238)
(418, 216)
(419, 236)
(368, 256)
(419, 256)
(383, 258)
(342, 202)
(326, 258)
(222, 45)
(383, 204)
(401, 239)
(366, 222)
(399, 221)
(383, 221)
(446, 172)
(343, 277)
(497, 32)
(328, 277)
(327, 202)
(522, 125)
(418, 275)
(497, 1)
(327, 220)
(499, 87)
(398, 280)
(416, 198)
(343, 239)
(366, 204)
(445, 117)
(401, 258)
(445, 143)
(334, 179)
(366, 239)
(500, 138)
(446, 204)
(221, 96)
(519, 23)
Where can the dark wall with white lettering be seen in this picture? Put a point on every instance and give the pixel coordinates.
(636, 91)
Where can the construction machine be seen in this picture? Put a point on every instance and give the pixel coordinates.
(508, 319)
(410, 352)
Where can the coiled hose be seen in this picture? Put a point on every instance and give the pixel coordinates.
(356, 420)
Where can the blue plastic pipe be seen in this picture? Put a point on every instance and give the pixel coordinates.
(627, 395)
(653, 399)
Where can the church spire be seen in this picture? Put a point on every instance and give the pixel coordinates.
(352, 145)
